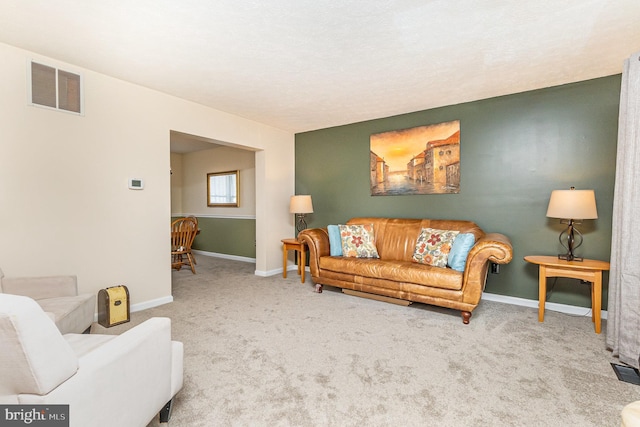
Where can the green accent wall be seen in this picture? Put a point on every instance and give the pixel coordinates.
(514, 150)
(229, 236)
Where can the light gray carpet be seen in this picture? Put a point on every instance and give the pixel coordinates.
(271, 352)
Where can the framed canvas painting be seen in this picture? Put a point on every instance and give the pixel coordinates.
(419, 160)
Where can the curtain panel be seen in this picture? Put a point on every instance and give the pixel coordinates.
(623, 323)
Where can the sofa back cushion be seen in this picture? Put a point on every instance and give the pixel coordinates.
(396, 237)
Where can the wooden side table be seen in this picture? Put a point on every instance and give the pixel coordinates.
(589, 270)
(301, 249)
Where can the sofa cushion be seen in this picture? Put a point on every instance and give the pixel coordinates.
(460, 250)
(358, 241)
(399, 271)
(433, 246)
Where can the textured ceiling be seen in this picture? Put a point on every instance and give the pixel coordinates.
(301, 65)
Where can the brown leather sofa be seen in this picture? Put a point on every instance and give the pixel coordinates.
(395, 275)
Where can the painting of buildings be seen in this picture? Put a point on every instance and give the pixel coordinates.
(420, 160)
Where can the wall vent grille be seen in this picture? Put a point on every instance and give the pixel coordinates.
(55, 88)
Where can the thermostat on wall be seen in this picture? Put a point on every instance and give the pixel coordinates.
(136, 184)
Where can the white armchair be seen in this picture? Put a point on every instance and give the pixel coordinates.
(107, 380)
(58, 296)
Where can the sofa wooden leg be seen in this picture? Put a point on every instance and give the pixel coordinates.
(165, 412)
(319, 288)
(466, 315)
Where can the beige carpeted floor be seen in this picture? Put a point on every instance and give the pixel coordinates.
(271, 352)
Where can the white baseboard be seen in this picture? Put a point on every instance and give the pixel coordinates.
(225, 256)
(267, 273)
(553, 306)
(275, 271)
(144, 305)
(260, 273)
(152, 303)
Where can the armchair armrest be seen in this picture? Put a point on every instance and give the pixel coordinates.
(317, 240)
(492, 247)
(124, 381)
(40, 287)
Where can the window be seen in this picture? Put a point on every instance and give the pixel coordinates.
(223, 189)
(54, 88)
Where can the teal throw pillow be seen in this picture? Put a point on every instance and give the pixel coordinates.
(335, 241)
(460, 250)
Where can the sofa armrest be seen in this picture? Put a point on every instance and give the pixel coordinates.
(496, 247)
(125, 381)
(317, 240)
(492, 247)
(41, 287)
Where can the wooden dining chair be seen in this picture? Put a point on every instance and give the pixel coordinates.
(195, 261)
(183, 232)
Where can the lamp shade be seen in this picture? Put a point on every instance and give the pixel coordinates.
(572, 204)
(301, 204)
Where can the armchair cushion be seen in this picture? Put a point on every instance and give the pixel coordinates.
(35, 358)
(71, 314)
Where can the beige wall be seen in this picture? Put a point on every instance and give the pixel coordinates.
(176, 184)
(65, 205)
(190, 184)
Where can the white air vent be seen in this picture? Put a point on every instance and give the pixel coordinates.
(55, 88)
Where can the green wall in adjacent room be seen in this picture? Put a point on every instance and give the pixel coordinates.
(228, 236)
(514, 149)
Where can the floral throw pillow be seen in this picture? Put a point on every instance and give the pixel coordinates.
(433, 246)
(358, 241)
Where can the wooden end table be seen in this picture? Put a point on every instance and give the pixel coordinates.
(589, 270)
(301, 249)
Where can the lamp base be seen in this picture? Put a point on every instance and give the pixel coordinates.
(570, 257)
(572, 243)
(301, 224)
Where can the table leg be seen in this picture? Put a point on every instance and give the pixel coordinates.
(596, 302)
(284, 261)
(542, 292)
(593, 311)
